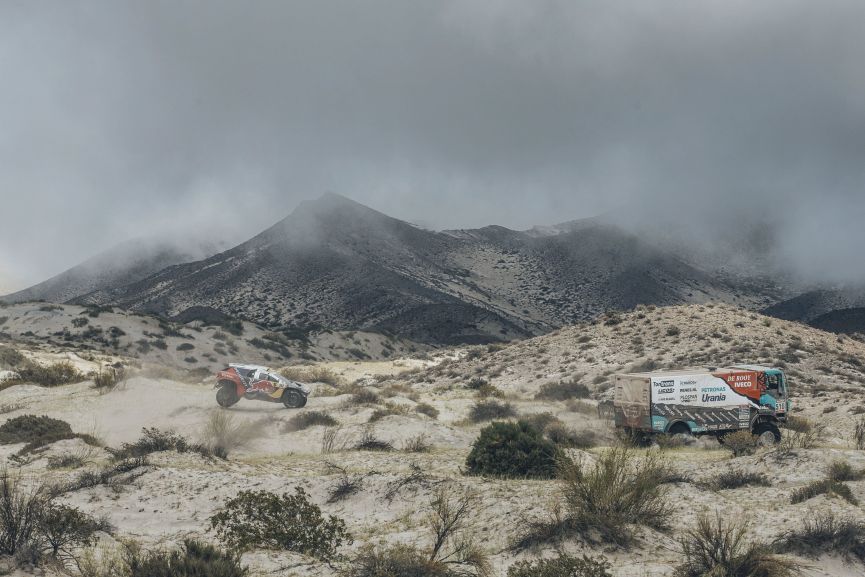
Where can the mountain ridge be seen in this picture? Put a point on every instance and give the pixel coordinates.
(338, 264)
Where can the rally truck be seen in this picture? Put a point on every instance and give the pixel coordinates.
(703, 402)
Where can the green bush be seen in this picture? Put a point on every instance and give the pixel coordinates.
(29, 428)
(562, 566)
(512, 450)
(194, 559)
(37, 431)
(489, 410)
(563, 391)
(265, 520)
(725, 548)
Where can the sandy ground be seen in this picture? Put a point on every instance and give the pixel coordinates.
(179, 492)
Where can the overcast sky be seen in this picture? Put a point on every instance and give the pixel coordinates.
(121, 119)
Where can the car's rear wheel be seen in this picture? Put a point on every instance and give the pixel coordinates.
(293, 399)
(227, 395)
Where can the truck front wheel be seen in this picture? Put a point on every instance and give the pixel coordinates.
(767, 434)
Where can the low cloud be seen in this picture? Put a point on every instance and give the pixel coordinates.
(135, 119)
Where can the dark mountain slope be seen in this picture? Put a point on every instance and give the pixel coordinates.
(337, 264)
(126, 263)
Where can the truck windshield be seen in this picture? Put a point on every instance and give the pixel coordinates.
(773, 382)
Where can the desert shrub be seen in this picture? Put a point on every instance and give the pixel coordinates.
(428, 410)
(65, 461)
(114, 476)
(107, 378)
(740, 443)
(265, 520)
(194, 559)
(716, 546)
(369, 442)
(154, 440)
(843, 471)
(828, 487)
(307, 419)
(311, 375)
(541, 421)
(329, 438)
(452, 554)
(825, 533)
(62, 530)
(476, 383)
(80, 322)
(417, 444)
(565, 436)
(512, 450)
(10, 358)
(618, 491)
(365, 397)
(387, 410)
(734, 479)
(801, 434)
(563, 391)
(223, 433)
(55, 374)
(489, 410)
(489, 390)
(673, 331)
(185, 347)
(20, 509)
(562, 566)
(394, 561)
(859, 435)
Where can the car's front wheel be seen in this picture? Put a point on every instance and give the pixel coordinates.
(227, 395)
(293, 399)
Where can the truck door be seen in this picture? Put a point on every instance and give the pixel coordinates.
(774, 396)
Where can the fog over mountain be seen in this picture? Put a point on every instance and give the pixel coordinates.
(706, 120)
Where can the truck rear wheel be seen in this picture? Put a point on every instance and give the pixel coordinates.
(767, 434)
(680, 429)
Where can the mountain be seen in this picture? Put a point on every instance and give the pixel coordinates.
(127, 262)
(837, 310)
(337, 264)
